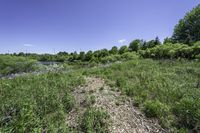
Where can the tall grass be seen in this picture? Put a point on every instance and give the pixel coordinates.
(94, 121)
(37, 103)
(12, 64)
(166, 89)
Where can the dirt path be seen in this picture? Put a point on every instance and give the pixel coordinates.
(125, 117)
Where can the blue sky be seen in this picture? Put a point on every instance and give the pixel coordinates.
(42, 26)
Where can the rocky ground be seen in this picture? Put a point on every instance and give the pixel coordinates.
(125, 118)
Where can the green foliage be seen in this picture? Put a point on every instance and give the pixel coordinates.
(170, 51)
(13, 64)
(159, 110)
(94, 121)
(129, 56)
(81, 56)
(188, 29)
(37, 103)
(196, 48)
(117, 57)
(137, 100)
(134, 45)
(167, 40)
(158, 88)
(114, 50)
(120, 82)
(155, 109)
(103, 53)
(123, 49)
(150, 44)
(197, 56)
(187, 111)
(89, 56)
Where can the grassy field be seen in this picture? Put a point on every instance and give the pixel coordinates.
(41, 103)
(168, 90)
(165, 89)
(37, 103)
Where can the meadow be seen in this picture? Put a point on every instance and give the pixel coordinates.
(167, 90)
(36, 103)
(163, 89)
(41, 103)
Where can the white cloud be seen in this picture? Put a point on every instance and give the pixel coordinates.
(28, 45)
(122, 41)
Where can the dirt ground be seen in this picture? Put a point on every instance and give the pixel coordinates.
(125, 118)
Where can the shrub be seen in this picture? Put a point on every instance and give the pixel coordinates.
(170, 51)
(129, 56)
(196, 48)
(197, 56)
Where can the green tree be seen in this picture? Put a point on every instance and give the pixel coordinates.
(153, 43)
(74, 56)
(150, 44)
(96, 53)
(144, 45)
(134, 45)
(88, 55)
(21, 54)
(81, 56)
(123, 49)
(188, 29)
(114, 50)
(167, 40)
(157, 41)
(62, 53)
(104, 52)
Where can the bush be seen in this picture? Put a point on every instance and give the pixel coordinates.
(171, 51)
(197, 56)
(129, 56)
(196, 48)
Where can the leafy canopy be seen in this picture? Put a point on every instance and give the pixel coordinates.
(188, 29)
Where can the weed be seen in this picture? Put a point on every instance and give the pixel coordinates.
(90, 100)
(94, 121)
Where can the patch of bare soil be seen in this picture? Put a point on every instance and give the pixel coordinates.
(125, 118)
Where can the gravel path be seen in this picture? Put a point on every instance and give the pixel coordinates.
(125, 118)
